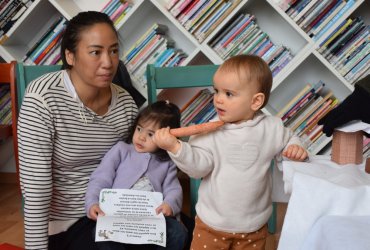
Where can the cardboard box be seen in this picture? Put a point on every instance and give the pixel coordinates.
(347, 147)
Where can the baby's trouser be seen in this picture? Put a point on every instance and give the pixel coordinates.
(205, 237)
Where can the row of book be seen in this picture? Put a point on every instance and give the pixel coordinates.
(315, 17)
(244, 36)
(117, 10)
(5, 105)
(47, 49)
(199, 109)
(153, 47)
(303, 112)
(10, 12)
(347, 48)
(201, 17)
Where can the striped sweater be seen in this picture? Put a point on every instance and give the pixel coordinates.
(61, 142)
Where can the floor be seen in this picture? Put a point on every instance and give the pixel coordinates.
(11, 226)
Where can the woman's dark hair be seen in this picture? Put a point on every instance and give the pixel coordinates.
(163, 113)
(76, 25)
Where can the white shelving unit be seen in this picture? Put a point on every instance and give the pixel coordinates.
(306, 66)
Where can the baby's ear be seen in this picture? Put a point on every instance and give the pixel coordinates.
(257, 101)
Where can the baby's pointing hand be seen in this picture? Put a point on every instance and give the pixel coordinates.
(164, 139)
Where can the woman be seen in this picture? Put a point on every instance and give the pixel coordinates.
(68, 120)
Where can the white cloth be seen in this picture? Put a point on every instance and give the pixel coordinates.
(320, 188)
(339, 233)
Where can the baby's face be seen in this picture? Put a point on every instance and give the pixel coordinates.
(233, 99)
(143, 137)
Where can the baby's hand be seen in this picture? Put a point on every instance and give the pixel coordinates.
(95, 211)
(296, 153)
(163, 139)
(165, 209)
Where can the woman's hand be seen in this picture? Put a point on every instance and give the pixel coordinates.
(164, 139)
(165, 209)
(295, 152)
(95, 211)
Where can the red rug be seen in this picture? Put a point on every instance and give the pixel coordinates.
(6, 246)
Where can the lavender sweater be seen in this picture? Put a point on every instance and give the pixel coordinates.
(122, 167)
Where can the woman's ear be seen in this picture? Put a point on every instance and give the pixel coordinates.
(70, 58)
(257, 101)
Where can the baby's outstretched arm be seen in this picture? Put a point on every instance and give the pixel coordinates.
(165, 140)
(296, 153)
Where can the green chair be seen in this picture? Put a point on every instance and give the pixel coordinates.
(187, 77)
(27, 73)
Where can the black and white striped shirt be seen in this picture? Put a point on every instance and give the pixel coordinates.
(61, 142)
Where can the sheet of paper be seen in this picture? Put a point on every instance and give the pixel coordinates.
(130, 217)
(354, 126)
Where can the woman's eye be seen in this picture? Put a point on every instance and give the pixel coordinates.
(94, 53)
(114, 52)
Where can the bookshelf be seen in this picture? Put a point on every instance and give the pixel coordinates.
(307, 64)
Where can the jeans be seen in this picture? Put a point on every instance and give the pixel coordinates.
(176, 239)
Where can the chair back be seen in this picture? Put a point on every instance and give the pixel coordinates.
(8, 77)
(27, 73)
(178, 77)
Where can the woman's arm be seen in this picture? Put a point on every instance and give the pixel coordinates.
(35, 144)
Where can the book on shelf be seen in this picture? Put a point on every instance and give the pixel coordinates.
(221, 36)
(59, 28)
(203, 15)
(155, 29)
(213, 18)
(355, 42)
(247, 39)
(53, 44)
(188, 12)
(297, 7)
(316, 21)
(333, 35)
(234, 47)
(170, 4)
(294, 100)
(351, 31)
(302, 121)
(201, 10)
(302, 100)
(179, 7)
(303, 11)
(220, 15)
(243, 24)
(313, 13)
(326, 18)
(203, 22)
(346, 7)
(345, 33)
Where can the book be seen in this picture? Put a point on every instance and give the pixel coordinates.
(304, 10)
(312, 14)
(312, 110)
(345, 8)
(327, 18)
(294, 100)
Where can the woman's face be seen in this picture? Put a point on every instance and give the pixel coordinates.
(97, 56)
